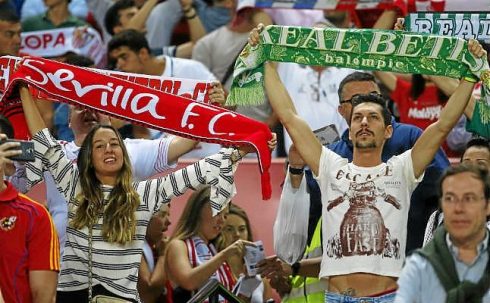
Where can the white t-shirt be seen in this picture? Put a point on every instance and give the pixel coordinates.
(314, 95)
(365, 211)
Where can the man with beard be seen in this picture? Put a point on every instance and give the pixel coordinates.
(364, 246)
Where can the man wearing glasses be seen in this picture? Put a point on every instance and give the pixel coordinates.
(454, 267)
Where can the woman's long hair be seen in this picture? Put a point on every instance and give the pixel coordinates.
(119, 218)
(190, 219)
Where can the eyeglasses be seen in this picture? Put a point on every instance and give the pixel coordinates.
(355, 95)
(466, 200)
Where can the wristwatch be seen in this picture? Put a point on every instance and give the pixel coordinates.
(295, 268)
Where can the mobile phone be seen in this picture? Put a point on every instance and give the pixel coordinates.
(327, 134)
(27, 148)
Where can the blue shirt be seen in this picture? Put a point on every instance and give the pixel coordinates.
(403, 138)
(418, 281)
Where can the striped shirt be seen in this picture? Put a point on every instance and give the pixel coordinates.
(115, 266)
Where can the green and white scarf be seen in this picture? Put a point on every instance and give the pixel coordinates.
(462, 25)
(360, 49)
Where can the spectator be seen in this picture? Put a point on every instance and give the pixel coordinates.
(56, 16)
(151, 276)
(237, 227)
(124, 14)
(130, 51)
(31, 8)
(191, 257)
(477, 153)
(29, 262)
(454, 266)
(109, 213)
(10, 30)
(219, 49)
(374, 261)
(313, 90)
(148, 157)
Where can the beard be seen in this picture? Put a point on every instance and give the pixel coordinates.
(366, 144)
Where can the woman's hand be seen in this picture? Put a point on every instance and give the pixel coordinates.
(237, 248)
(245, 149)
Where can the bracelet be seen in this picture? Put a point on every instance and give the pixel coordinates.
(470, 79)
(191, 17)
(295, 171)
(295, 268)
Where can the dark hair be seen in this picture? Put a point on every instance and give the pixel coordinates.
(6, 127)
(355, 77)
(478, 142)
(418, 87)
(130, 38)
(478, 172)
(78, 60)
(373, 98)
(9, 15)
(112, 18)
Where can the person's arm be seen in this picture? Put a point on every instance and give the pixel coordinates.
(180, 146)
(64, 172)
(43, 285)
(151, 284)
(183, 274)
(196, 28)
(272, 266)
(138, 21)
(445, 84)
(410, 284)
(431, 139)
(303, 138)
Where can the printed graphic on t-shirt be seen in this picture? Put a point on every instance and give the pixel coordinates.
(362, 230)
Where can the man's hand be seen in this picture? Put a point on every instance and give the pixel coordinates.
(6, 151)
(254, 36)
(272, 267)
(217, 94)
(400, 24)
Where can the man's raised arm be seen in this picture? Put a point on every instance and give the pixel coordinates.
(303, 138)
(431, 139)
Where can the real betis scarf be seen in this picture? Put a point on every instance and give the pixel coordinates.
(462, 25)
(360, 49)
(146, 106)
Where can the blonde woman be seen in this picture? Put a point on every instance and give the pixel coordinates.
(108, 213)
(191, 259)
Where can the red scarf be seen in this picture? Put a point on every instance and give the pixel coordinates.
(146, 106)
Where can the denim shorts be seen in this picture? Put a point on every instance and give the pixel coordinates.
(338, 298)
